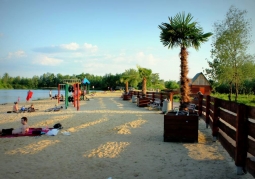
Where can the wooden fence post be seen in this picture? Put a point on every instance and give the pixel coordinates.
(215, 128)
(207, 110)
(241, 138)
(78, 99)
(200, 103)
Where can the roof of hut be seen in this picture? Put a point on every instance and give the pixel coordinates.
(200, 79)
(85, 81)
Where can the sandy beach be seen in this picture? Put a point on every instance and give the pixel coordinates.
(108, 137)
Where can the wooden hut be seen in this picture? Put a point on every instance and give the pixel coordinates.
(200, 83)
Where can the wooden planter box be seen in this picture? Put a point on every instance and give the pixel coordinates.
(142, 102)
(126, 97)
(180, 128)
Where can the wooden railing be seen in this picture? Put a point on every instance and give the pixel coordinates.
(233, 125)
(153, 95)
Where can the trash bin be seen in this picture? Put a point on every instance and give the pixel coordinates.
(166, 106)
(134, 98)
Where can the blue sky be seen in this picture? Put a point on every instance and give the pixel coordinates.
(102, 37)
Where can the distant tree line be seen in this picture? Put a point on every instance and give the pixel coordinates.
(51, 80)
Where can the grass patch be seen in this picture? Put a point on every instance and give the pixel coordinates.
(246, 99)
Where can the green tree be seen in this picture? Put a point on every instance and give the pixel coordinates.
(172, 85)
(182, 32)
(145, 74)
(130, 76)
(230, 62)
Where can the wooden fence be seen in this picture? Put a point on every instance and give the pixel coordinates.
(233, 125)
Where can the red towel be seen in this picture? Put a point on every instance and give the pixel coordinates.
(29, 133)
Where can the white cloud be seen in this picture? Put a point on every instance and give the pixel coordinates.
(71, 46)
(147, 59)
(90, 47)
(47, 61)
(17, 54)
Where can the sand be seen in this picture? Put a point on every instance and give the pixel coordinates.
(109, 137)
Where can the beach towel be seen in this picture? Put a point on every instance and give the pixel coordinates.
(52, 132)
(31, 132)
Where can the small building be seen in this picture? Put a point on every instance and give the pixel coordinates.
(200, 83)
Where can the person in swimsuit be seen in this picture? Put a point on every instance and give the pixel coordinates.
(15, 107)
(23, 129)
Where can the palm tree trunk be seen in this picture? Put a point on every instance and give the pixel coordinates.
(144, 87)
(126, 87)
(185, 89)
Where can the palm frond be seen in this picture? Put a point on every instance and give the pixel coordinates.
(181, 31)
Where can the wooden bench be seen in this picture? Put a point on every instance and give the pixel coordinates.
(142, 102)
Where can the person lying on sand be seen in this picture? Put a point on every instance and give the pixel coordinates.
(21, 130)
(54, 109)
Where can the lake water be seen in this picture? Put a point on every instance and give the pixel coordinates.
(10, 96)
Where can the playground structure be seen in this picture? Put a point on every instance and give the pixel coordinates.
(71, 85)
(85, 85)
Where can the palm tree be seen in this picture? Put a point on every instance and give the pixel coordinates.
(145, 74)
(130, 76)
(181, 32)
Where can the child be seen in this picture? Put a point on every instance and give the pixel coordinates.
(21, 130)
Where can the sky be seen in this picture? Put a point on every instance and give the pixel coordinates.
(102, 37)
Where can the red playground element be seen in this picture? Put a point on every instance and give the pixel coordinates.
(29, 95)
(76, 95)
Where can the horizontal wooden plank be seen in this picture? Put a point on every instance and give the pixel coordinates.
(142, 102)
(251, 112)
(251, 129)
(210, 122)
(211, 106)
(228, 105)
(227, 117)
(251, 146)
(203, 109)
(203, 116)
(211, 114)
(204, 103)
(230, 132)
(227, 145)
(250, 166)
(193, 95)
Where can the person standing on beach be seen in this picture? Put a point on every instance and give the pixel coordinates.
(50, 93)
